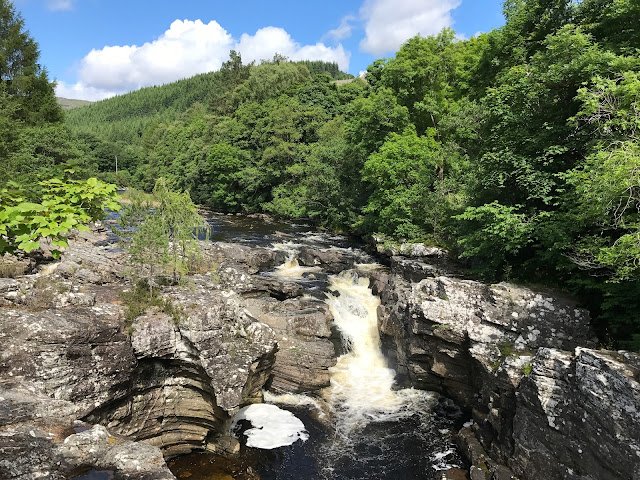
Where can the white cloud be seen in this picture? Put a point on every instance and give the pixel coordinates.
(343, 30)
(59, 4)
(270, 40)
(82, 91)
(186, 49)
(389, 24)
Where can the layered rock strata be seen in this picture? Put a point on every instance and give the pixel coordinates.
(173, 382)
(543, 404)
(70, 361)
(302, 324)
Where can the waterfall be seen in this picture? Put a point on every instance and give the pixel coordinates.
(361, 389)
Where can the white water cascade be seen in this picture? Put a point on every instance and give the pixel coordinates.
(291, 268)
(361, 388)
(360, 426)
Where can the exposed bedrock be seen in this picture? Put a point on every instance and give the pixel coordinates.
(544, 404)
(193, 372)
(302, 324)
(68, 361)
(67, 358)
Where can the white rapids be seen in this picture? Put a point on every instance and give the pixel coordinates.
(361, 389)
(291, 268)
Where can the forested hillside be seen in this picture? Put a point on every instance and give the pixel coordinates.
(518, 149)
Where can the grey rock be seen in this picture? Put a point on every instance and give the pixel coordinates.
(91, 257)
(8, 285)
(477, 473)
(578, 416)
(100, 450)
(256, 259)
(194, 372)
(39, 439)
(12, 266)
(331, 260)
(79, 354)
(574, 416)
(27, 452)
(303, 330)
(412, 250)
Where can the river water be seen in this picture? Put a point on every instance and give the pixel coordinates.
(361, 426)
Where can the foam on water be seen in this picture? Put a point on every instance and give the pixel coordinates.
(292, 270)
(297, 400)
(272, 427)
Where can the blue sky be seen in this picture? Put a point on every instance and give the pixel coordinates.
(99, 48)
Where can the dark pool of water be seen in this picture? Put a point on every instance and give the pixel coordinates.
(403, 450)
(96, 475)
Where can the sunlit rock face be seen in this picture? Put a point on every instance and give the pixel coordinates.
(175, 383)
(194, 372)
(542, 402)
(171, 382)
(578, 416)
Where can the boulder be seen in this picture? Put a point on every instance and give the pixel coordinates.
(76, 354)
(303, 330)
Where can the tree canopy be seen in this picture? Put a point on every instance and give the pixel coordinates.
(516, 149)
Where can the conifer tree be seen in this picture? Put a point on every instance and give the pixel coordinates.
(24, 85)
(27, 98)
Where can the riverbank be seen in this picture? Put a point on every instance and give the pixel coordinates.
(74, 385)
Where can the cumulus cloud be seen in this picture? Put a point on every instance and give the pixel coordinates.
(82, 91)
(389, 24)
(343, 30)
(270, 40)
(59, 4)
(186, 49)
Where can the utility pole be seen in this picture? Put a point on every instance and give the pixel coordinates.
(116, 164)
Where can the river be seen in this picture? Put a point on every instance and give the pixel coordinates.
(360, 427)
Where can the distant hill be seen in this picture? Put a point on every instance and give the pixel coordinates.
(125, 117)
(69, 103)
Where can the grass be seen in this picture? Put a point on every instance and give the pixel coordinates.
(130, 194)
(10, 269)
(69, 103)
(139, 299)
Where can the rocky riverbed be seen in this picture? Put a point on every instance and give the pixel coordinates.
(81, 390)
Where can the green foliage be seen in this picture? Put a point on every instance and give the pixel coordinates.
(318, 67)
(495, 234)
(139, 298)
(161, 233)
(23, 82)
(371, 119)
(270, 80)
(57, 207)
(403, 174)
(28, 109)
(517, 149)
(182, 224)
